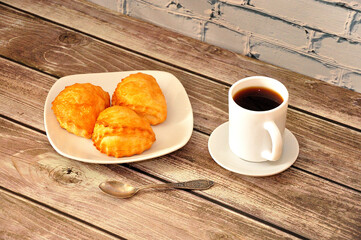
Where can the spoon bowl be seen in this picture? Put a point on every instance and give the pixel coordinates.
(118, 189)
(124, 190)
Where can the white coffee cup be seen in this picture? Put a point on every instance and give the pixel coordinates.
(257, 136)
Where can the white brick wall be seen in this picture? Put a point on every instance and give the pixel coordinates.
(168, 19)
(318, 38)
(247, 20)
(310, 13)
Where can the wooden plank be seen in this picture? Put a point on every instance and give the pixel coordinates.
(302, 203)
(204, 104)
(26, 90)
(326, 158)
(31, 167)
(22, 219)
(307, 93)
(327, 147)
(293, 200)
(23, 93)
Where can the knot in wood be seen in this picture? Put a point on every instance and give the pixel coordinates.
(310, 83)
(214, 50)
(218, 235)
(67, 175)
(70, 38)
(358, 102)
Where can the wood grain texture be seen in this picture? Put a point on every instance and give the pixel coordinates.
(300, 198)
(24, 91)
(23, 220)
(305, 204)
(307, 93)
(325, 145)
(31, 167)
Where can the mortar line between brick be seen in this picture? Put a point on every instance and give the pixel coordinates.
(340, 4)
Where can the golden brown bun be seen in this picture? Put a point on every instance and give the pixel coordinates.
(142, 93)
(120, 132)
(77, 107)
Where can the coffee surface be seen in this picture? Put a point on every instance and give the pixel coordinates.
(258, 98)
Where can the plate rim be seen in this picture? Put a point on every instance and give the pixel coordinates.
(114, 160)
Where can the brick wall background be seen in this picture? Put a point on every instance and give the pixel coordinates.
(318, 38)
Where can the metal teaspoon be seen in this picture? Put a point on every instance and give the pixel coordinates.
(124, 190)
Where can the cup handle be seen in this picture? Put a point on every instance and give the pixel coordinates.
(277, 142)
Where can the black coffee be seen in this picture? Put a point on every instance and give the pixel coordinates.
(258, 98)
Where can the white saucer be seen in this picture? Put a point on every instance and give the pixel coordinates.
(221, 153)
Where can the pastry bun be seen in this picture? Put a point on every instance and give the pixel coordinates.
(77, 107)
(141, 93)
(120, 132)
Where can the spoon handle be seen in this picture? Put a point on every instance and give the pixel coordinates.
(200, 184)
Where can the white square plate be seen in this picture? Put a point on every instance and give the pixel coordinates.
(171, 135)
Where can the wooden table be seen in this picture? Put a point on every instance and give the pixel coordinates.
(46, 196)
